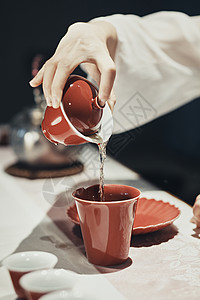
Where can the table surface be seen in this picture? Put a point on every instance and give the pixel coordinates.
(161, 265)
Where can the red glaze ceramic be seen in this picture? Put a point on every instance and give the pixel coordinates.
(151, 215)
(39, 283)
(15, 276)
(107, 226)
(78, 116)
(33, 295)
(21, 263)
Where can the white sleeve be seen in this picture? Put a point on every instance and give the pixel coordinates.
(158, 66)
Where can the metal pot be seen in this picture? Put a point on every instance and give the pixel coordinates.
(27, 139)
(30, 145)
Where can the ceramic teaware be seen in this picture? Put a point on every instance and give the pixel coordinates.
(21, 263)
(58, 295)
(79, 116)
(38, 283)
(70, 295)
(106, 226)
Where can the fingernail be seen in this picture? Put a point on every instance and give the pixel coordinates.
(31, 82)
(55, 103)
(49, 103)
(102, 102)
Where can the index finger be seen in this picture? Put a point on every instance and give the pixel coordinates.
(60, 77)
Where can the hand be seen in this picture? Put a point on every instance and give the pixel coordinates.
(92, 43)
(196, 211)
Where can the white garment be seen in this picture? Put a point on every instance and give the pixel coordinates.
(158, 65)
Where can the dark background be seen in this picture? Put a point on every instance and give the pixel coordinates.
(166, 151)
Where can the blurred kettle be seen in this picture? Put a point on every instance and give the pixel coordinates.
(27, 139)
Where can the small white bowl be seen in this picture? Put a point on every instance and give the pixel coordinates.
(21, 263)
(67, 295)
(58, 295)
(39, 283)
(30, 261)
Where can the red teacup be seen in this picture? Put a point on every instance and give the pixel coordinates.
(79, 115)
(107, 226)
(39, 283)
(21, 263)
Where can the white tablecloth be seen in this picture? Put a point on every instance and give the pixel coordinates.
(162, 265)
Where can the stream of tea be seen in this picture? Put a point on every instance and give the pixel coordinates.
(102, 154)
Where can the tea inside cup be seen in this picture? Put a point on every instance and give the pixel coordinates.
(39, 283)
(21, 263)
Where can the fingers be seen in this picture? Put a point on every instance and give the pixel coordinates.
(196, 211)
(47, 82)
(93, 71)
(196, 208)
(37, 80)
(198, 198)
(108, 71)
(53, 77)
(195, 221)
(69, 54)
(58, 84)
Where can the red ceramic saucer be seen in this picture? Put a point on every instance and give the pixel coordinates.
(151, 215)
